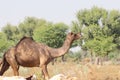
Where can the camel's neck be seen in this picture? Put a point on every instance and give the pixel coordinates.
(62, 50)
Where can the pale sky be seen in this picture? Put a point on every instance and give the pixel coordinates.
(15, 11)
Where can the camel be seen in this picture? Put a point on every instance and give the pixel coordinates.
(28, 53)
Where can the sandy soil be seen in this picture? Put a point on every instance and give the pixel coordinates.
(82, 72)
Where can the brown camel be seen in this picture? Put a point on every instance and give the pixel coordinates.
(29, 53)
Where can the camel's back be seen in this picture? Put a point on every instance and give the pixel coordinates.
(26, 45)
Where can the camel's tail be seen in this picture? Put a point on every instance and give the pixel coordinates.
(1, 61)
(5, 65)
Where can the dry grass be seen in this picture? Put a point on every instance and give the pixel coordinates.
(82, 72)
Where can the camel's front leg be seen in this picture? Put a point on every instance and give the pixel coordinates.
(45, 72)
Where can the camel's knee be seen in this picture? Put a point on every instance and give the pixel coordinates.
(15, 70)
(45, 73)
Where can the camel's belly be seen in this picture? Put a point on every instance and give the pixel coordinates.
(29, 64)
(28, 61)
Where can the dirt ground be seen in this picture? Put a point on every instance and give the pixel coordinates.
(82, 72)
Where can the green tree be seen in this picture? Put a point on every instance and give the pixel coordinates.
(51, 34)
(27, 27)
(98, 37)
(113, 22)
(4, 44)
(88, 17)
(11, 33)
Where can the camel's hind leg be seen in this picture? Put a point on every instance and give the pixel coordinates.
(4, 67)
(14, 66)
(10, 58)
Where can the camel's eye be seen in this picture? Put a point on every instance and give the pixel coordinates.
(71, 33)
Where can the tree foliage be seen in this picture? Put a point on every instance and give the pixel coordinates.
(41, 30)
(97, 26)
(51, 34)
(4, 44)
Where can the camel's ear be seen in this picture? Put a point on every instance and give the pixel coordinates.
(75, 35)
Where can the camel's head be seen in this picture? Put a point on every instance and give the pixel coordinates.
(73, 36)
